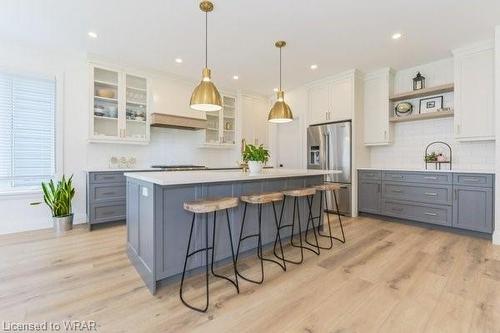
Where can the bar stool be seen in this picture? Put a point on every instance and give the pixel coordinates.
(206, 207)
(323, 189)
(296, 194)
(260, 200)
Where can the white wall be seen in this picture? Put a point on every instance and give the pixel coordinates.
(167, 145)
(288, 141)
(496, 235)
(411, 138)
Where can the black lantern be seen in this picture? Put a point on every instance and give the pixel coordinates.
(418, 82)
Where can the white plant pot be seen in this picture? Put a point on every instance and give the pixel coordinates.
(255, 167)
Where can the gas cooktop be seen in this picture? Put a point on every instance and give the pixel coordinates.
(179, 167)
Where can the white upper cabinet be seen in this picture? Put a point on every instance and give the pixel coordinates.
(172, 97)
(377, 89)
(254, 112)
(119, 106)
(474, 92)
(342, 99)
(319, 103)
(332, 99)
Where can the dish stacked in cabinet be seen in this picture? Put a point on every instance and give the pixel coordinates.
(457, 200)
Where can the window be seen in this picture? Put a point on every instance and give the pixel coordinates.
(27, 130)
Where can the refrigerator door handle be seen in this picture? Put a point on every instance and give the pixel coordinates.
(328, 151)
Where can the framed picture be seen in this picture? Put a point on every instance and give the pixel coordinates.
(431, 104)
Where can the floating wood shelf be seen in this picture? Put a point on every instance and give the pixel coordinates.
(414, 117)
(423, 92)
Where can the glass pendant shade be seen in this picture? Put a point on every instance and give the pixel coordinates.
(205, 96)
(280, 112)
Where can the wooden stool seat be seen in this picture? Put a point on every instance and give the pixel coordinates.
(210, 205)
(300, 192)
(328, 187)
(262, 198)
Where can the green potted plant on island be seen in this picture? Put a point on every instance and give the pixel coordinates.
(256, 157)
(58, 197)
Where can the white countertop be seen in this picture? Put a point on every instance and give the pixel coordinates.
(215, 176)
(119, 169)
(431, 170)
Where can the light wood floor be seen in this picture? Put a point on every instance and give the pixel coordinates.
(389, 277)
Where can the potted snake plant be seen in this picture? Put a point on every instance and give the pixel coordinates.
(58, 197)
(256, 157)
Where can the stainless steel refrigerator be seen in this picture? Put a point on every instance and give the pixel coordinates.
(329, 148)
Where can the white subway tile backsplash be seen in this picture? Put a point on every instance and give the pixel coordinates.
(411, 138)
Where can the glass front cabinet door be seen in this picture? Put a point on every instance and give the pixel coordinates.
(221, 125)
(119, 107)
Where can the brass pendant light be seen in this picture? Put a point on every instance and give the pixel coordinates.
(280, 112)
(205, 96)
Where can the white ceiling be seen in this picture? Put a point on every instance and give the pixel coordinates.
(335, 34)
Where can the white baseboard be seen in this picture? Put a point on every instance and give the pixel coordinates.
(496, 238)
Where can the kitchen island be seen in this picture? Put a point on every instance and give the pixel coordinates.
(158, 226)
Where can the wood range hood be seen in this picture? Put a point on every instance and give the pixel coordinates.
(179, 122)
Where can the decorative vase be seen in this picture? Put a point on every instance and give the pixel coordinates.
(62, 223)
(255, 167)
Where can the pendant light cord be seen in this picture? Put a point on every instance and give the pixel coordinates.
(206, 39)
(280, 68)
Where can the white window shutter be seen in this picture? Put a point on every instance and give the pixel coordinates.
(27, 130)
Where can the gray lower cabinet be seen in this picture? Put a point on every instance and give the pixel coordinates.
(369, 196)
(457, 200)
(473, 208)
(106, 196)
(435, 214)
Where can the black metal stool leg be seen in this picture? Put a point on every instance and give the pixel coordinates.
(278, 237)
(278, 233)
(206, 266)
(213, 254)
(241, 239)
(321, 221)
(241, 233)
(292, 225)
(310, 220)
(340, 220)
(259, 245)
(261, 257)
(259, 242)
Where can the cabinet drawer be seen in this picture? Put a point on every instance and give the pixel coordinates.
(433, 194)
(106, 192)
(435, 214)
(106, 177)
(112, 211)
(370, 174)
(473, 179)
(418, 177)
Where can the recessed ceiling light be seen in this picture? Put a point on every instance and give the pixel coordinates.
(178, 60)
(236, 77)
(313, 67)
(397, 35)
(275, 89)
(92, 34)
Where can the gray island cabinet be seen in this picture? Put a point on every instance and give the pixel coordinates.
(460, 200)
(158, 226)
